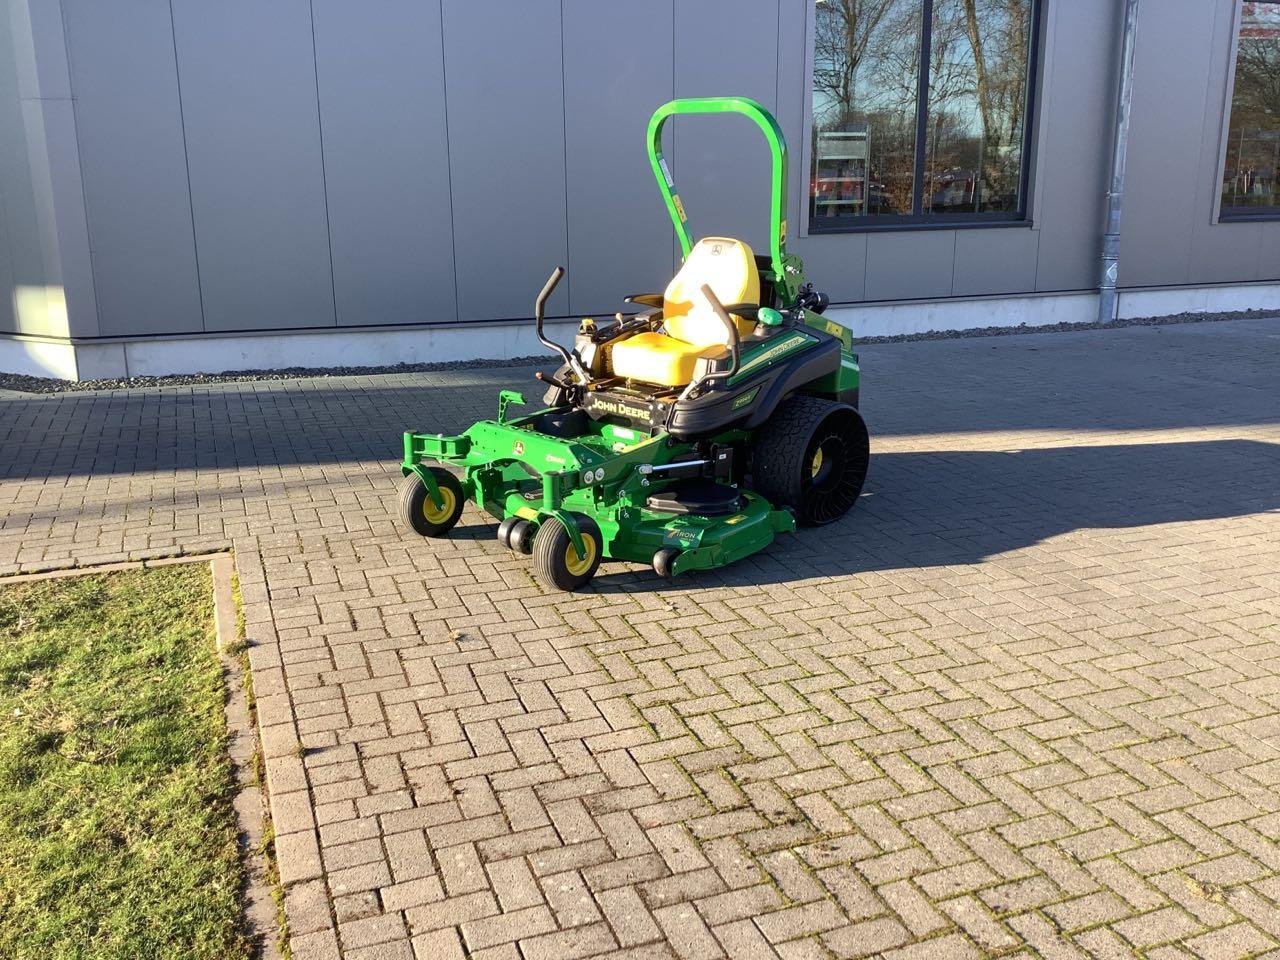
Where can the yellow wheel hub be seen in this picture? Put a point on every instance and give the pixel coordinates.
(447, 502)
(573, 564)
(816, 467)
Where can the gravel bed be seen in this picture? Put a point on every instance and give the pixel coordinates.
(26, 384)
(1164, 321)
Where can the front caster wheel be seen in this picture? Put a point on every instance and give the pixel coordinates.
(516, 534)
(504, 531)
(663, 562)
(420, 514)
(520, 537)
(555, 561)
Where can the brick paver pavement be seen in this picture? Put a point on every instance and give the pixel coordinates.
(1024, 700)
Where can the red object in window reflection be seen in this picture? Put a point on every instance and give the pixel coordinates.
(1260, 20)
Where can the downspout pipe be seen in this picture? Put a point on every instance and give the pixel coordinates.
(1108, 294)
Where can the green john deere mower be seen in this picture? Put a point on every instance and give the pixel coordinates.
(685, 435)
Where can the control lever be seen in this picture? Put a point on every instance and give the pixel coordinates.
(735, 343)
(735, 348)
(571, 359)
(554, 381)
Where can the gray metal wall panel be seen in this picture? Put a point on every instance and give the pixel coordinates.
(247, 76)
(1071, 167)
(42, 58)
(133, 163)
(1269, 252)
(619, 231)
(910, 266)
(835, 263)
(32, 278)
(792, 101)
(506, 142)
(55, 159)
(1228, 251)
(380, 66)
(725, 48)
(1218, 252)
(8, 320)
(536, 98)
(19, 262)
(995, 261)
(1163, 174)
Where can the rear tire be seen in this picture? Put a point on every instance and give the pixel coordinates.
(421, 515)
(812, 456)
(555, 561)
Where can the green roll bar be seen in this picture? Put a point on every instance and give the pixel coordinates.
(787, 275)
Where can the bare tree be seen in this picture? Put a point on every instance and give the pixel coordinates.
(1256, 101)
(844, 30)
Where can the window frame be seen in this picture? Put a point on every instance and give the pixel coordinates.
(1223, 214)
(1021, 217)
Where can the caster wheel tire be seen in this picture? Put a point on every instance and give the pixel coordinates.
(520, 537)
(555, 561)
(420, 514)
(812, 456)
(504, 531)
(663, 562)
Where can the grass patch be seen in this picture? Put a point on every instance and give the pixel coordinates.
(117, 833)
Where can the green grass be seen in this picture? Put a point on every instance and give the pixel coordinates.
(117, 835)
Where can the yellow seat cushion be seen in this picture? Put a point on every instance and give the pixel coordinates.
(657, 358)
(692, 328)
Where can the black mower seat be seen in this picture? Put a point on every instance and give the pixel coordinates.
(696, 495)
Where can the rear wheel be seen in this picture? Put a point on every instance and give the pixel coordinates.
(423, 516)
(812, 456)
(555, 561)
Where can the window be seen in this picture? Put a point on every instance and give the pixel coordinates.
(1253, 134)
(885, 154)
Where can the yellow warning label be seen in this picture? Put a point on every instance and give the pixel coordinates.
(782, 231)
(675, 199)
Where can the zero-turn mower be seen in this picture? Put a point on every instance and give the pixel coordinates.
(686, 434)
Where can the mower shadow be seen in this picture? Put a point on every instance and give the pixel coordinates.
(960, 507)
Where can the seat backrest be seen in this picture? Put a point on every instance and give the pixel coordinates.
(729, 268)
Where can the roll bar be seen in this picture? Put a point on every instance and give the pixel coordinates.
(786, 282)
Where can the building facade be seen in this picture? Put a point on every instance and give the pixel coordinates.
(193, 186)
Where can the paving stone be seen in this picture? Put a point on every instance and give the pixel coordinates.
(307, 907)
(1232, 942)
(1026, 697)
